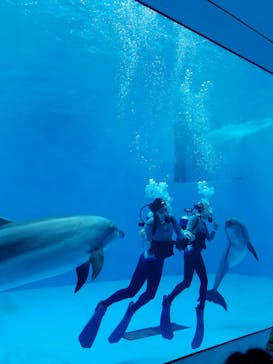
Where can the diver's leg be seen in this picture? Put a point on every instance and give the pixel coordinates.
(89, 332)
(135, 285)
(165, 319)
(202, 274)
(153, 276)
(189, 265)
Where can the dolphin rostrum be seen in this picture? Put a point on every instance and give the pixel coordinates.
(236, 250)
(34, 250)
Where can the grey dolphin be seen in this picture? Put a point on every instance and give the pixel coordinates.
(34, 250)
(236, 132)
(236, 250)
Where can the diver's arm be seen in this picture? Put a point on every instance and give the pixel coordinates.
(189, 233)
(211, 235)
(179, 232)
(146, 242)
(183, 237)
(192, 223)
(148, 229)
(147, 235)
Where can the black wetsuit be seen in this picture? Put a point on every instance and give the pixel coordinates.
(193, 260)
(148, 269)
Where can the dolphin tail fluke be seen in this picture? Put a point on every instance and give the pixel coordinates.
(82, 275)
(250, 247)
(214, 296)
(96, 261)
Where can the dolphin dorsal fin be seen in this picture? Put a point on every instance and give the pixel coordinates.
(4, 221)
(96, 260)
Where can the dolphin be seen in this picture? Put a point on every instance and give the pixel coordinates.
(236, 132)
(237, 248)
(34, 250)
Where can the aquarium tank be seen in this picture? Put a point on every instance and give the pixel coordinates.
(107, 106)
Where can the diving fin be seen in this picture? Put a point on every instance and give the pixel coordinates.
(214, 296)
(199, 331)
(89, 332)
(165, 319)
(119, 331)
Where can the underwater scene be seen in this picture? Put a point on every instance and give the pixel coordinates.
(136, 173)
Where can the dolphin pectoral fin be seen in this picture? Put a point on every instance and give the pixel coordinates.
(214, 296)
(96, 260)
(250, 247)
(82, 274)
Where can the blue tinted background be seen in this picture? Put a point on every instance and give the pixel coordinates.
(90, 92)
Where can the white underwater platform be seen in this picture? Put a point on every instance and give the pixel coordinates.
(42, 325)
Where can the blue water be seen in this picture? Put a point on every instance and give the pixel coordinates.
(90, 93)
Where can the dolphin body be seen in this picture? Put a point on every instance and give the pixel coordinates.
(236, 132)
(237, 248)
(34, 250)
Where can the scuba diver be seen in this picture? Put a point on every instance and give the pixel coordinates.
(158, 244)
(193, 261)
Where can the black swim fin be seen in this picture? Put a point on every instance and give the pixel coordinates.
(165, 319)
(89, 333)
(199, 331)
(214, 296)
(119, 331)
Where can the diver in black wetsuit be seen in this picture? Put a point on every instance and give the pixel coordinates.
(158, 244)
(193, 261)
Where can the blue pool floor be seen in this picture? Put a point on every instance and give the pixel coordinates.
(42, 325)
